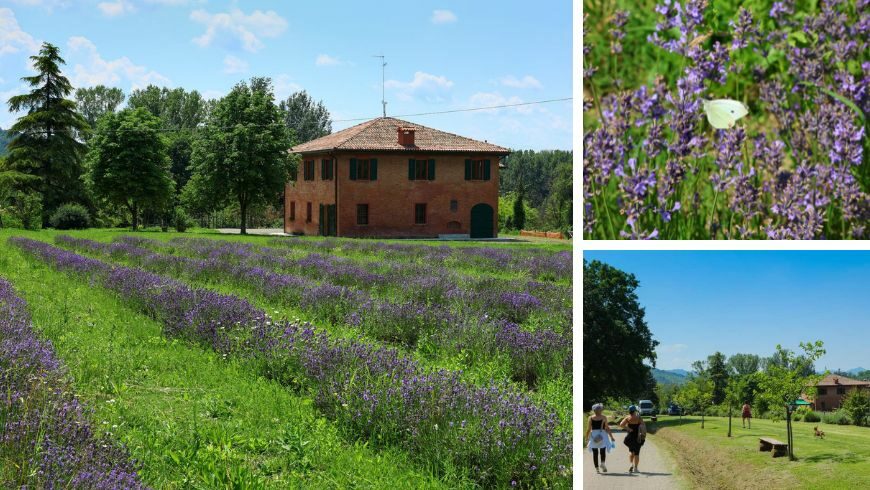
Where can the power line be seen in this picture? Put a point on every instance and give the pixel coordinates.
(451, 111)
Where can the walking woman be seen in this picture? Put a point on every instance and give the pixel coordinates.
(597, 432)
(635, 436)
(747, 414)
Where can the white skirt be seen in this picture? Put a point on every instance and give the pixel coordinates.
(598, 440)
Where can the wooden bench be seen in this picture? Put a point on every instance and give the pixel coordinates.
(779, 448)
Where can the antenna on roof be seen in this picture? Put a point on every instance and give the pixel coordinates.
(383, 83)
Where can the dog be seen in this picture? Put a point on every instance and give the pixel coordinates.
(818, 433)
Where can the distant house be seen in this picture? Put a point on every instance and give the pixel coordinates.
(833, 388)
(391, 178)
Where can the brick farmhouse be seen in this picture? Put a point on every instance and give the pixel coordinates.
(833, 388)
(391, 178)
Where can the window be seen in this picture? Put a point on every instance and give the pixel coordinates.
(823, 391)
(308, 213)
(292, 210)
(421, 169)
(841, 390)
(363, 169)
(308, 170)
(454, 205)
(362, 214)
(326, 169)
(420, 214)
(477, 169)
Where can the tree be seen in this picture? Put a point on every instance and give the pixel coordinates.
(613, 316)
(306, 119)
(697, 393)
(45, 141)
(181, 113)
(857, 405)
(128, 162)
(744, 364)
(241, 154)
(519, 221)
(93, 102)
(9, 179)
(785, 379)
(734, 396)
(714, 368)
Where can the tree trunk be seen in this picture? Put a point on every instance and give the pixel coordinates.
(134, 215)
(729, 420)
(243, 210)
(702, 418)
(788, 426)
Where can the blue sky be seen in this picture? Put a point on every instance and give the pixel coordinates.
(698, 302)
(440, 55)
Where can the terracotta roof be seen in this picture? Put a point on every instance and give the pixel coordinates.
(381, 134)
(837, 380)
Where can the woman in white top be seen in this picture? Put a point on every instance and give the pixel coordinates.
(597, 431)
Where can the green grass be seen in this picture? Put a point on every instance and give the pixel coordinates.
(712, 460)
(192, 419)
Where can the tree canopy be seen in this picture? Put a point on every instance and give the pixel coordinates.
(241, 153)
(308, 120)
(94, 102)
(545, 179)
(616, 338)
(128, 162)
(744, 364)
(45, 142)
(714, 369)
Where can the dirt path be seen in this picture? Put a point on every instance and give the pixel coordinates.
(656, 469)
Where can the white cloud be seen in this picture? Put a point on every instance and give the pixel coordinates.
(233, 64)
(284, 86)
(443, 17)
(326, 60)
(236, 27)
(422, 81)
(490, 99)
(527, 81)
(95, 70)
(116, 8)
(12, 38)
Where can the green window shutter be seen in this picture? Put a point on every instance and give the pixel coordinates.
(373, 169)
(353, 169)
(431, 169)
(411, 170)
(320, 221)
(468, 169)
(323, 170)
(486, 170)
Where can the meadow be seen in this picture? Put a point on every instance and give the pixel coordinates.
(258, 362)
(709, 459)
(795, 167)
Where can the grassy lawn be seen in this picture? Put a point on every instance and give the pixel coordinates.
(709, 459)
(191, 418)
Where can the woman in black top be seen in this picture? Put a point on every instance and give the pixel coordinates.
(635, 436)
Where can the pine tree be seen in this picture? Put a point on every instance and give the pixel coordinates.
(45, 142)
(520, 211)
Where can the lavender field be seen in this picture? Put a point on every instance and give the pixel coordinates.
(449, 364)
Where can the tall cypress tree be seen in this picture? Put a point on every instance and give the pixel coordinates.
(45, 142)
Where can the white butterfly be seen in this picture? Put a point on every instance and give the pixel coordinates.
(723, 113)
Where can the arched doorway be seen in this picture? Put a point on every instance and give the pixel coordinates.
(481, 221)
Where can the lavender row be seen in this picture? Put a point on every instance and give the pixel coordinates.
(47, 440)
(531, 356)
(497, 434)
(423, 285)
(534, 262)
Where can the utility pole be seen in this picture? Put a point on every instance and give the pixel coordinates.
(383, 81)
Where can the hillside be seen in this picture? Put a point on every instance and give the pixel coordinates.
(4, 140)
(672, 376)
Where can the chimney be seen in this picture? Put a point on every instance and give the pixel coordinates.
(836, 381)
(406, 136)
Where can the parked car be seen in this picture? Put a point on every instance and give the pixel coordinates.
(646, 407)
(674, 409)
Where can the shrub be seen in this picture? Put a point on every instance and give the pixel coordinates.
(181, 220)
(838, 417)
(812, 417)
(857, 405)
(27, 209)
(70, 216)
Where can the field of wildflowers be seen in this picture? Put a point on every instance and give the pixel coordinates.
(390, 391)
(795, 168)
